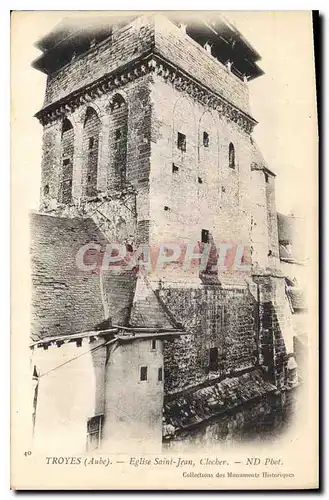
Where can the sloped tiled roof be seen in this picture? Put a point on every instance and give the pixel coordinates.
(207, 402)
(147, 309)
(69, 301)
(65, 299)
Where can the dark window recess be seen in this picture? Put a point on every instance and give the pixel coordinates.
(118, 135)
(206, 139)
(231, 155)
(181, 141)
(174, 168)
(66, 162)
(153, 344)
(46, 189)
(91, 142)
(213, 359)
(89, 178)
(160, 375)
(166, 208)
(129, 247)
(66, 190)
(205, 236)
(199, 180)
(94, 432)
(143, 373)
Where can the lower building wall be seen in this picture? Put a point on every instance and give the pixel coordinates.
(76, 385)
(133, 407)
(65, 397)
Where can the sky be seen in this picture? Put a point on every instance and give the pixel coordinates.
(282, 100)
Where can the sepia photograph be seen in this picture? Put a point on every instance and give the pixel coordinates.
(166, 201)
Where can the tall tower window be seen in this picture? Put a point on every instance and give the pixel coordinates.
(67, 153)
(91, 131)
(231, 155)
(181, 141)
(205, 236)
(206, 139)
(213, 359)
(118, 142)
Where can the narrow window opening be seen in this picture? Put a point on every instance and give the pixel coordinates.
(199, 180)
(206, 139)
(129, 247)
(205, 236)
(174, 168)
(91, 142)
(231, 154)
(46, 189)
(160, 375)
(181, 141)
(89, 178)
(118, 134)
(213, 359)
(143, 374)
(153, 345)
(94, 432)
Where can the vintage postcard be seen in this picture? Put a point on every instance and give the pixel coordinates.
(164, 251)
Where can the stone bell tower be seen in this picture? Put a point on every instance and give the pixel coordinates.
(147, 130)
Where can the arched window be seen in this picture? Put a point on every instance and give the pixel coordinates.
(67, 153)
(91, 131)
(118, 142)
(231, 155)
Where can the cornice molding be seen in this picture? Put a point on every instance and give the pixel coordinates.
(149, 64)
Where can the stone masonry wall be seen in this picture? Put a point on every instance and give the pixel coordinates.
(127, 43)
(275, 328)
(197, 185)
(215, 317)
(135, 163)
(176, 46)
(272, 221)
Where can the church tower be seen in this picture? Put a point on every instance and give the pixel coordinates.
(147, 134)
